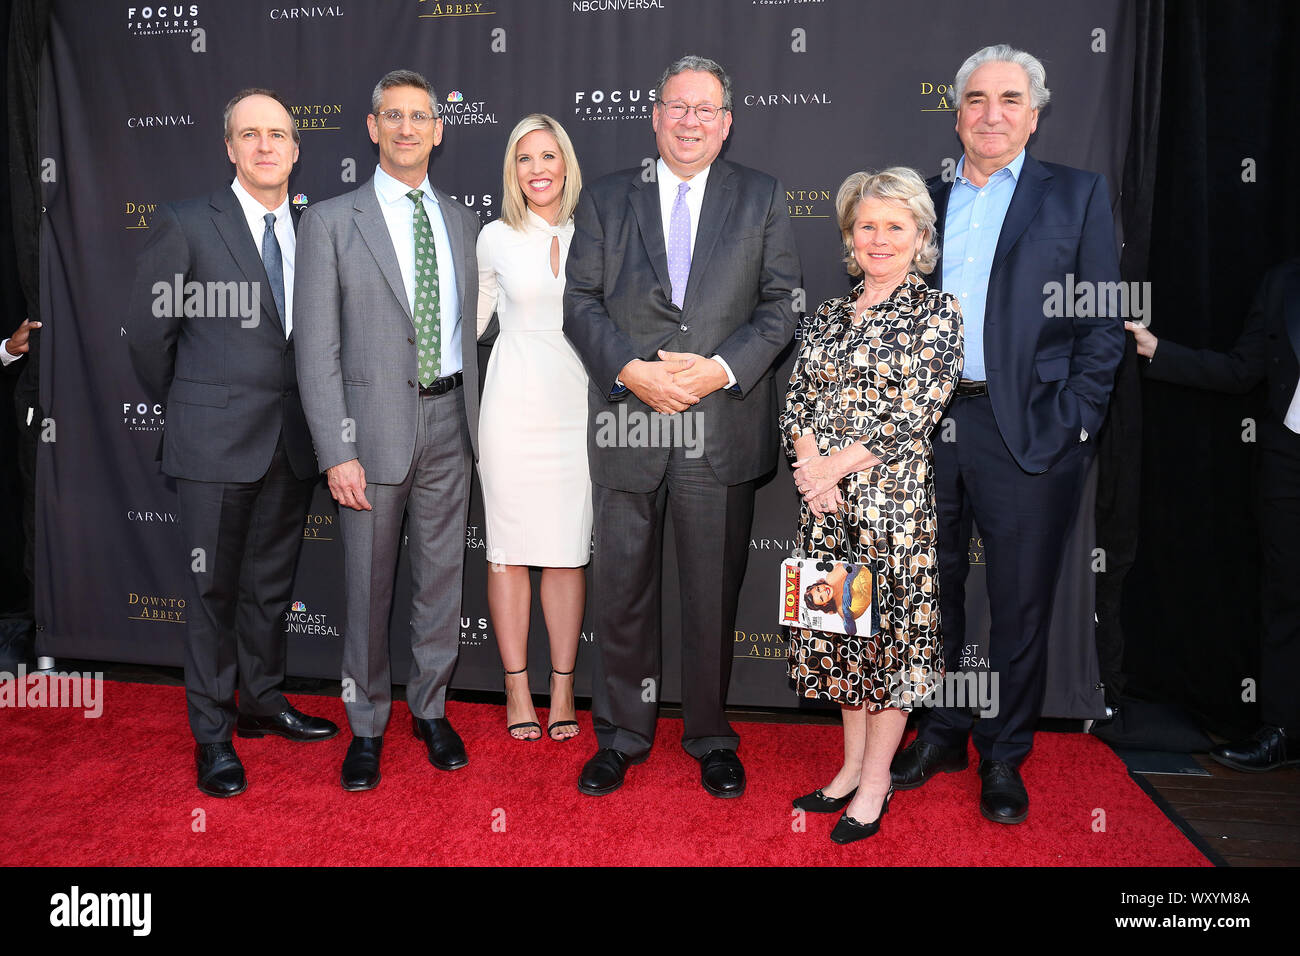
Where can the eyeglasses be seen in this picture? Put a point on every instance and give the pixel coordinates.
(393, 118)
(704, 112)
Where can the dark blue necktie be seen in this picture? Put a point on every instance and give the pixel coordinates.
(274, 265)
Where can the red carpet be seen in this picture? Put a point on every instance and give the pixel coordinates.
(119, 790)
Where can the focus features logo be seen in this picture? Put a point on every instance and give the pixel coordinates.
(478, 203)
(144, 416)
(613, 104)
(473, 631)
(162, 19)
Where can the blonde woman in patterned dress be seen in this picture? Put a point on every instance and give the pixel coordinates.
(874, 372)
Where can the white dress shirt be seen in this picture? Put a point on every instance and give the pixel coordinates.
(254, 213)
(399, 215)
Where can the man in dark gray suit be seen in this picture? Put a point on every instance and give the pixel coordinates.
(387, 288)
(679, 299)
(211, 328)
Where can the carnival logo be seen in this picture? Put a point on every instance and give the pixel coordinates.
(143, 416)
(809, 202)
(319, 527)
(786, 545)
(297, 620)
(434, 8)
(613, 104)
(937, 98)
(304, 13)
(155, 607)
(316, 115)
(138, 214)
(787, 98)
(159, 120)
(458, 111)
(615, 6)
(152, 517)
(162, 19)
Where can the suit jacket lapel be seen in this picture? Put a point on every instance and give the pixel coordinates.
(374, 230)
(228, 217)
(1031, 188)
(719, 197)
(644, 199)
(1292, 295)
(459, 253)
(939, 193)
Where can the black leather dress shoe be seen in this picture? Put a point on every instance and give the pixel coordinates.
(722, 774)
(361, 765)
(220, 774)
(446, 749)
(920, 761)
(291, 723)
(849, 830)
(818, 802)
(1003, 798)
(1268, 749)
(604, 772)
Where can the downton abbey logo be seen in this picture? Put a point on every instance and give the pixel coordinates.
(760, 645)
(436, 8)
(155, 607)
(937, 97)
(809, 202)
(316, 115)
(138, 214)
(162, 19)
(319, 526)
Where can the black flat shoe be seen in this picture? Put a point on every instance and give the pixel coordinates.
(849, 830)
(818, 802)
(1268, 749)
(604, 772)
(292, 724)
(722, 774)
(220, 774)
(1003, 798)
(920, 760)
(446, 749)
(361, 765)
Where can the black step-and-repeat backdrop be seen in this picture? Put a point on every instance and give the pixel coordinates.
(131, 105)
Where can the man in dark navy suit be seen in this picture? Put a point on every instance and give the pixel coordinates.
(1033, 393)
(220, 349)
(1268, 350)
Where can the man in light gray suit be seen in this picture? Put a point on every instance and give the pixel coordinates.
(387, 286)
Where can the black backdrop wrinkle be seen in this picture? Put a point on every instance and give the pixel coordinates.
(1191, 607)
(130, 117)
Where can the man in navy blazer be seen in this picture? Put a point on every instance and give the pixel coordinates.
(1020, 241)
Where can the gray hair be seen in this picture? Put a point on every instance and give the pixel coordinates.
(1039, 94)
(403, 78)
(256, 91)
(701, 64)
(896, 184)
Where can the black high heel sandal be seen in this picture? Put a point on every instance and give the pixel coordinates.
(550, 728)
(524, 724)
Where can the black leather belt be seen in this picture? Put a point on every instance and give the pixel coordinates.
(441, 386)
(967, 388)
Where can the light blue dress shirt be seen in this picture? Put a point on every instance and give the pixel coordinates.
(398, 215)
(970, 237)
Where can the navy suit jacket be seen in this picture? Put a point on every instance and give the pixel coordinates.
(1049, 376)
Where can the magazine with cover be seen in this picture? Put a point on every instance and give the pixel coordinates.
(833, 596)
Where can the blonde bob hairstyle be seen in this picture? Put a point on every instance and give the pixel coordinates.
(896, 184)
(514, 207)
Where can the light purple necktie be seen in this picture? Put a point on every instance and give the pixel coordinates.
(679, 245)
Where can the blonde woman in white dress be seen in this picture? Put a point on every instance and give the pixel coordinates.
(533, 422)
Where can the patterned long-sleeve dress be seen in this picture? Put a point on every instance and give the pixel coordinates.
(883, 378)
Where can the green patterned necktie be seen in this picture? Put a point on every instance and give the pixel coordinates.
(425, 311)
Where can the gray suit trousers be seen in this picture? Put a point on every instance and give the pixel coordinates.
(434, 498)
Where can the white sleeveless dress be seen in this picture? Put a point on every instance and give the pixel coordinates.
(533, 415)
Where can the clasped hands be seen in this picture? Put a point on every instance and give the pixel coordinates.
(817, 477)
(675, 382)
